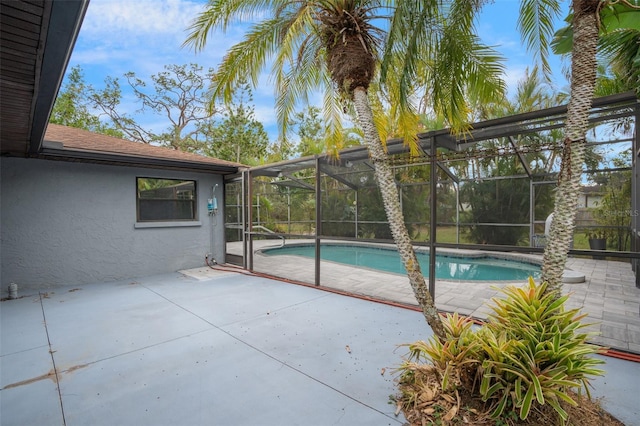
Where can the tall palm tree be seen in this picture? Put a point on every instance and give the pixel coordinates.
(536, 24)
(338, 45)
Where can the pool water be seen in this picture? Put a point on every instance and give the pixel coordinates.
(447, 267)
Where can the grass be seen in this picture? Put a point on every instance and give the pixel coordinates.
(445, 234)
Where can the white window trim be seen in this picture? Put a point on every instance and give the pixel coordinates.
(176, 224)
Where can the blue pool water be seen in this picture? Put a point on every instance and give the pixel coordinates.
(388, 260)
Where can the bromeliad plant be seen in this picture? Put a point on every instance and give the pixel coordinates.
(434, 371)
(456, 355)
(531, 351)
(535, 352)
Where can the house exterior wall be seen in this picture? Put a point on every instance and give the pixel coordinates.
(65, 223)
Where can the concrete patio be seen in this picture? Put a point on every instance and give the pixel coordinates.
(211, 347)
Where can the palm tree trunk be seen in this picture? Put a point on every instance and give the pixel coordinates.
(391, 201)
(583, 81)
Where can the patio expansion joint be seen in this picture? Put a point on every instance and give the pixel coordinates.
(53, 360)
(120, 354)
(26, 350)
(220, 327)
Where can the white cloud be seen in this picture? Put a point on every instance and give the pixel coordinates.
(266, 114)
(143, 36)
(512, 76)
(122, 18)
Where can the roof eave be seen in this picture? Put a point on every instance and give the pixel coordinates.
(62, 31)
(132, 160)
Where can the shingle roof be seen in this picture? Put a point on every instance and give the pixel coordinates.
(78, 141)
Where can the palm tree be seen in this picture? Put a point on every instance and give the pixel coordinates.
(338, 45)
(537, 32)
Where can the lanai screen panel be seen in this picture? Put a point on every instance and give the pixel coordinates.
(495, 185)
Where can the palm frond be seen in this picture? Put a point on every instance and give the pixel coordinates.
(333, 116)
(245, 60)
(298, 66)
(219, 14)
(484, 68)
(381, 119)
(535, 24)
(413, 34)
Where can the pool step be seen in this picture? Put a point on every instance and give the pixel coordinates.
(572, 277)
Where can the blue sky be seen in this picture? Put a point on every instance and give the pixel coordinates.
(142, 36)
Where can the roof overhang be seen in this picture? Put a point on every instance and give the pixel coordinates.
(55, 151)
(37, 38)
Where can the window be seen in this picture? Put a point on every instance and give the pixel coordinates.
(162, 200)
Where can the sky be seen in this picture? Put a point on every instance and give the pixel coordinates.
(118, 36)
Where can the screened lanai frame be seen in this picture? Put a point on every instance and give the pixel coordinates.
(352, 173)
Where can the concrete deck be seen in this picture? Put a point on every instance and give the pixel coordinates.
(608, 294)
(215, 348)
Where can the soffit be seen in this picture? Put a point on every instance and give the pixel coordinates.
(36, 40)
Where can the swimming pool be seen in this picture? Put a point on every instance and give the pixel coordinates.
(448, 267)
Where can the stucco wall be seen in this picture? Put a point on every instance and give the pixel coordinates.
(68, 223)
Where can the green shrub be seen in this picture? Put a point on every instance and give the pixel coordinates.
(457, 355)
(534, 351)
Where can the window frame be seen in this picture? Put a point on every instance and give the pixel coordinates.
(145, 217)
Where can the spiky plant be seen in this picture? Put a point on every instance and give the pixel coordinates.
(535, 351)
